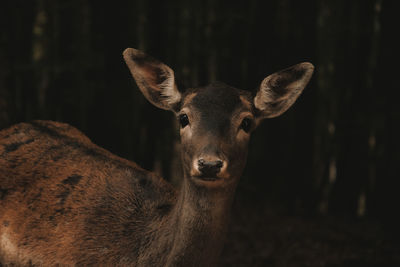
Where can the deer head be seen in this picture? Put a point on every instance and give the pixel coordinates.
(216, 120)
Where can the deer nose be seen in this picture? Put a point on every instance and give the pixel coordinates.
(209, 167)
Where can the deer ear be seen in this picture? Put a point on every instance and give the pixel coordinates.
(155, 79)
(280, 90)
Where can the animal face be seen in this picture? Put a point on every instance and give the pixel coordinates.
(216, 120)
(215, 126)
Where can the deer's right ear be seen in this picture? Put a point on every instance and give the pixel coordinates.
(155, 79)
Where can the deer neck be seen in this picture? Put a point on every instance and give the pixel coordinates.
(200, 220)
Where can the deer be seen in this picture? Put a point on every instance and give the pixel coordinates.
(66, 201)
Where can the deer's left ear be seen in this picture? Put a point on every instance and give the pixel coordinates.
(280, 90)
(155, 79)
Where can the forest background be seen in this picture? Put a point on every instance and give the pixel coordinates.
(321, 183)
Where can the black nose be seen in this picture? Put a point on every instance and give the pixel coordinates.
(209, 167)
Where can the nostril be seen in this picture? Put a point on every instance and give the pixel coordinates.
(209, 167)
(201, 162)
(218, 164)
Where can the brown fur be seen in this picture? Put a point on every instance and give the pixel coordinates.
(66, 201)
(62, 195)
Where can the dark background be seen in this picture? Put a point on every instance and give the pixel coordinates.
(321, 184)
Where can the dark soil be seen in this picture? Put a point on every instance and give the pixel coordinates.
(259, 236)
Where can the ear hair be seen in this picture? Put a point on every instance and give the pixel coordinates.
(169, 90)
(279, 91)
(155, 80)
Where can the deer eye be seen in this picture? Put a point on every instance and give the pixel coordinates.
(246, 125)
(183, 120)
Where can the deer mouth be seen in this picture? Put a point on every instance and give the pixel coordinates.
(207, 178)
(208, 181)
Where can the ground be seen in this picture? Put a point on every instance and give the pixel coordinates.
(259, 236)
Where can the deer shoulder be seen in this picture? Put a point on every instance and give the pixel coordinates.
(55, 184)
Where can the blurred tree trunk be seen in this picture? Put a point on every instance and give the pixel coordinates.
(342, 130)
(329, 23)
(41, 56)
(375, 115)
(5, 72)
(20, 81)
(386, 197)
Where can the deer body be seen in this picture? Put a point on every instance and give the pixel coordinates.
(66, 201)
(106, 201)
